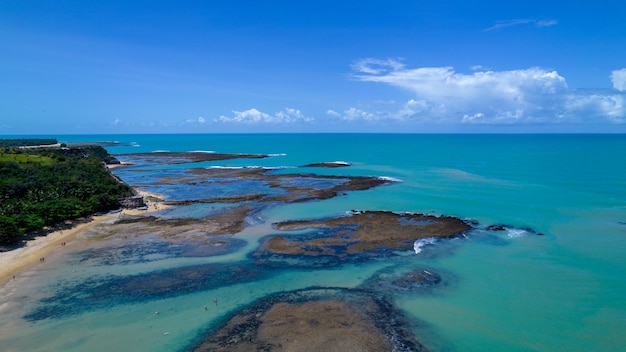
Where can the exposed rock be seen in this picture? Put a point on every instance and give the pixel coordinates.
(310, 321)
(502, 227)
(363, 231)
(329, 164)
(187, 157)
(297, 187)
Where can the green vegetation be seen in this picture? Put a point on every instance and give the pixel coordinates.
(22, 142)
(46, 186)
(27, 158)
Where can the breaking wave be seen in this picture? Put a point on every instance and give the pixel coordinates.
(417, 245)
(390, 179)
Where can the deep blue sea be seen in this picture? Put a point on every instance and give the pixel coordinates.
(508, 291)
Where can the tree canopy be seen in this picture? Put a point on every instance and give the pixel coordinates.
(46, 186)
(22, 142)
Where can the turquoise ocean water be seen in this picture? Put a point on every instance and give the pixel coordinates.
(564, 291)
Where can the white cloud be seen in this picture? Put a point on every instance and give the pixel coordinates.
(357, 114)
(332, 113)
(478, 68)
(200, 120)
(618, 77)
(116, 122)
(546, 23)
(473, 118)
(376, 66)
(254, 116)
(590, 107)
(521, 21)
(533, 95)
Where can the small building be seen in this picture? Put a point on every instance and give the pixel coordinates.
(133, 202)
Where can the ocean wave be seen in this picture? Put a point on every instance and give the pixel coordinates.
(279, 167)
(202, 151)
(234, 167)
(277, 154)
(390, 179)
(417, 245)
(161, 151)
(516, 233)
(511, 231)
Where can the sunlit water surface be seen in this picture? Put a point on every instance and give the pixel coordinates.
(511, 291)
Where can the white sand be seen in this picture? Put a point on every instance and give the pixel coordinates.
(15, 261)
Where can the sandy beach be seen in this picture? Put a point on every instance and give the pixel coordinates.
(13, 262)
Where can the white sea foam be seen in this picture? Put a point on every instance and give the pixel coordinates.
(234, 167)
(417, 245)
(279, 167)
(277, 154)
(390, 179)
(515, 233)
(161, 151)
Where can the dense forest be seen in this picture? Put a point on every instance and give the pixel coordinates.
(26, 142)
(45, 186)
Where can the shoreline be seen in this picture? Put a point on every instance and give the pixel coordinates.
(16, 261)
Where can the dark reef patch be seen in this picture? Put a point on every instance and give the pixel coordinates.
(227, 199)
(404, 279)
(102, 292)
(298, 187)
(186, 157)
(356, 238)
(237, 184)
(315, 319)
(502, 227)
(227, 221)
(328, 164)
(362, 232)
(143, 250)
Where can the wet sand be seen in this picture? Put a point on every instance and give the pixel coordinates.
(15, 261)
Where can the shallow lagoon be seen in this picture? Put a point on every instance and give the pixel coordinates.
(499, 291)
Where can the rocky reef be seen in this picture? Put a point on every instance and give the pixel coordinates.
(361, 232)
(185, 157)
(316, 319)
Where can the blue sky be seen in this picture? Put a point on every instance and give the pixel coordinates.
(83, 67)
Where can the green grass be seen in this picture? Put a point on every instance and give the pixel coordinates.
(27, 158)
